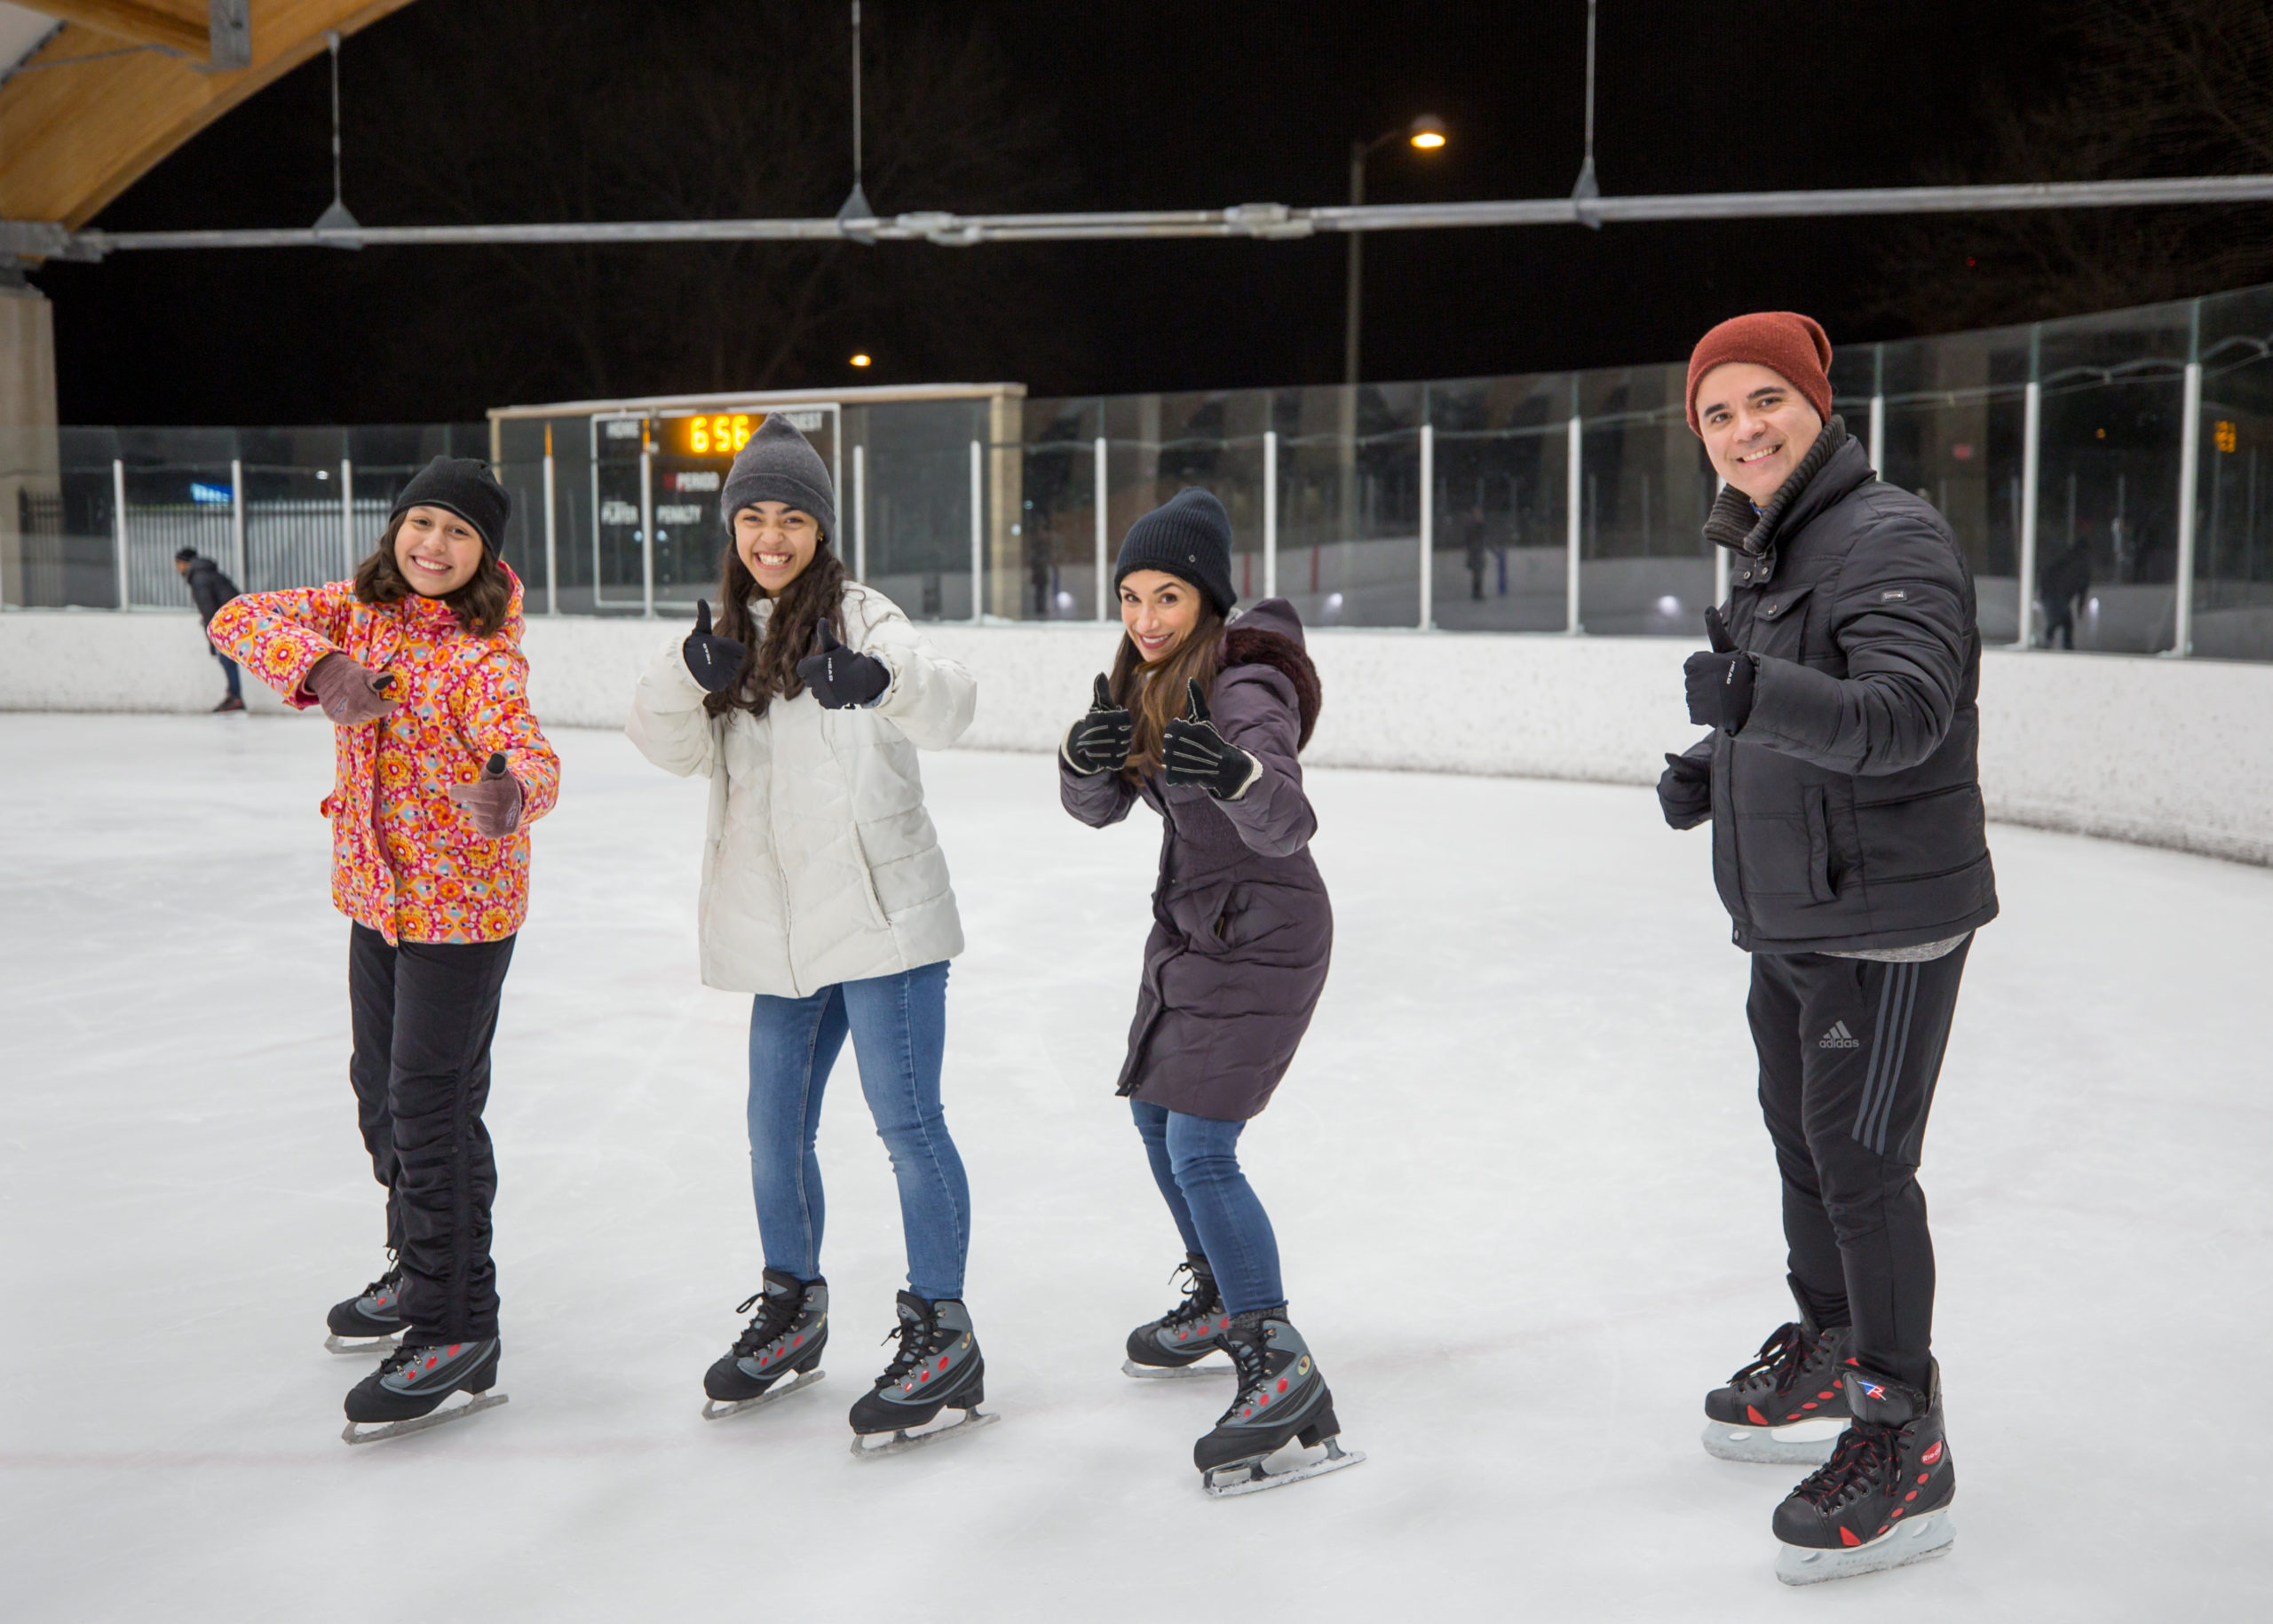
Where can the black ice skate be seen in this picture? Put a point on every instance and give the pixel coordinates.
(1789, 1405)
(1882, 1500)
(1282, 1398)
(405, 1394)
(938, 1368)
(1174, 1344)
(784, 1340)
(368, 1323)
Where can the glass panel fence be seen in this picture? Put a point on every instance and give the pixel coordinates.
(2233, 550)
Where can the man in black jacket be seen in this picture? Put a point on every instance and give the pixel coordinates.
(1849, 848)
(211, 588)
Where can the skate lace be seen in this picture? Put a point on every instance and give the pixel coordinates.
(914, 1347)
(1863, 1459)
(391, 1280)
(1199, 1300)
(1252, 1362)
(396, 1360)
(781, 1312)
(1779, 1359)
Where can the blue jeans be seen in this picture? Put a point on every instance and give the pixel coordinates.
(899, 1027)
(229, 670)
(1195, 1161)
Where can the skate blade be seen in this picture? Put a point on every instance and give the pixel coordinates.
(358, 1433)
(1919, 1542)
(380, 1345)
(902, 1441)
(1797, 1443)
(1177, 1372)
(714, 1409)
(1220, 1483)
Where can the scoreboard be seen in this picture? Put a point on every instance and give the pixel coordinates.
(657, 533)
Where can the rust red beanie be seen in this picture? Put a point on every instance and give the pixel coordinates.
(1787, 344)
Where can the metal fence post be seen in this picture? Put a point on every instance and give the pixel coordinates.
(118, 527)
(1575, 500)
(551, 534)
(237, 522)
(1720, 565)
(2189, 452)
(1270, 512)
(2031, 425)
(1427, 525)
(977, 532)
(1100, 478)
(1878, 435)
(646, 532)
(347, 513)
(860, 512)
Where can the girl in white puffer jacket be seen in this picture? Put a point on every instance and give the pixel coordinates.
(825, 897)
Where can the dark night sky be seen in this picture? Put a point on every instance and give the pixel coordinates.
(1170, 104)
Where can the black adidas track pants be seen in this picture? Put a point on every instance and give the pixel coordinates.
(1849, 1050)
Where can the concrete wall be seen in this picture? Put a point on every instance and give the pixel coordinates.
(2163, 752)
(28, 453)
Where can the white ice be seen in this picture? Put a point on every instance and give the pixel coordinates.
(1526, 1206)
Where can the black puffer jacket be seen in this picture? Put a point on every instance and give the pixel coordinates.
(1847, 812)
(209, 588)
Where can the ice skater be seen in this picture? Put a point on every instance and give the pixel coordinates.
(1204, 719)
(825, 897)
(209, 590)
(1849, 848)
(440, 770)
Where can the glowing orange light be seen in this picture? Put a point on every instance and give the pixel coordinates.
(2227, 437)
(860, 360)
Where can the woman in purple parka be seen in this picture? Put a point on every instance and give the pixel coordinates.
(1202, 719)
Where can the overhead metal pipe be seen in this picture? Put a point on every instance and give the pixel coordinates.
(38, 239)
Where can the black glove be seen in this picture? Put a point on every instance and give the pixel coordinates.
(1099, 742)
(1720, 684)
(839, 678)
(714, 662)
(1192, 752)
(1685, 791)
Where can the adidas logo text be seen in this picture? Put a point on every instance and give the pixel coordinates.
(1839, 1037)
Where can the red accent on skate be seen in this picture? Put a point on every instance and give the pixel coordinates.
(800, 1341)
(926, 1376)
(454, 1349)
(1282, 1384)
(1933, 1453)
(1809, 1404)
(431, 1363)
(1885, 1525)
(1846, 1537)
(1263, 1401)
(764, 1356)
(943, 1361)
(1752, 1413)
(1910, 1496)
(1826, 1392)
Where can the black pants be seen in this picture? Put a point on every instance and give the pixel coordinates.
(1849, 1051)
(424, 1013)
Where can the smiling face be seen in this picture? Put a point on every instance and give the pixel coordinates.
(775, 542)
(1756, 426)
(1160, 611)
(436, 550)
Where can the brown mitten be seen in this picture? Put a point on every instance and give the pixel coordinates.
(493, 801)
(349, 694)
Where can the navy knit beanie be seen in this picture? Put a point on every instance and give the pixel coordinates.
(467, 488)
(780, 464)
(1188, 536)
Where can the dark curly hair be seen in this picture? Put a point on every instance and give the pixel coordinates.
(481, 604)
(791, 630)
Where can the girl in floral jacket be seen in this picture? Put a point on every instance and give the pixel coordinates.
(440, 770)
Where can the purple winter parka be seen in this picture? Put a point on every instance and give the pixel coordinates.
(1242, 928)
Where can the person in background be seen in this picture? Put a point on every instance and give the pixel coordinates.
(2063, 586)
(209, 588)
(1848, 846)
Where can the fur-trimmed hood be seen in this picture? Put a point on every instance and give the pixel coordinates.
(1271, 633)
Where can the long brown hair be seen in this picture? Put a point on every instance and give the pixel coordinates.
(791, 631)
(1154, 694)
(481, 604)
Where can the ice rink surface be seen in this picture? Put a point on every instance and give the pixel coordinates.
(1526, 1206)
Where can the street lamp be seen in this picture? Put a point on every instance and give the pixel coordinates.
(1425, 133)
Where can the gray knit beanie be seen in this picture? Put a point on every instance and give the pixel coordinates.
(780, 464)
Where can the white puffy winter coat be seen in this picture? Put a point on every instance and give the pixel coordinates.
(821, 865)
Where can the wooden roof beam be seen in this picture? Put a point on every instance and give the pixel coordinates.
(179, 28)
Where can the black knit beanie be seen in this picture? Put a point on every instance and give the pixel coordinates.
(780, 464)
(467, 488)
(1188, 536)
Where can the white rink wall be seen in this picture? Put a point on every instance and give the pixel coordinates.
(2173, 753)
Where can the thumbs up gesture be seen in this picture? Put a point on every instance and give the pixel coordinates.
(493, 801)
(1720, 683)
(1099, 742)
(714, 662)
(1192, 752)
(839, 677)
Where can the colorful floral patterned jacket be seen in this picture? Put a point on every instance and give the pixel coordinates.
(406, 860)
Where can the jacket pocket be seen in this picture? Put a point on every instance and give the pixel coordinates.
(1779, 622)
(1818, 828)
